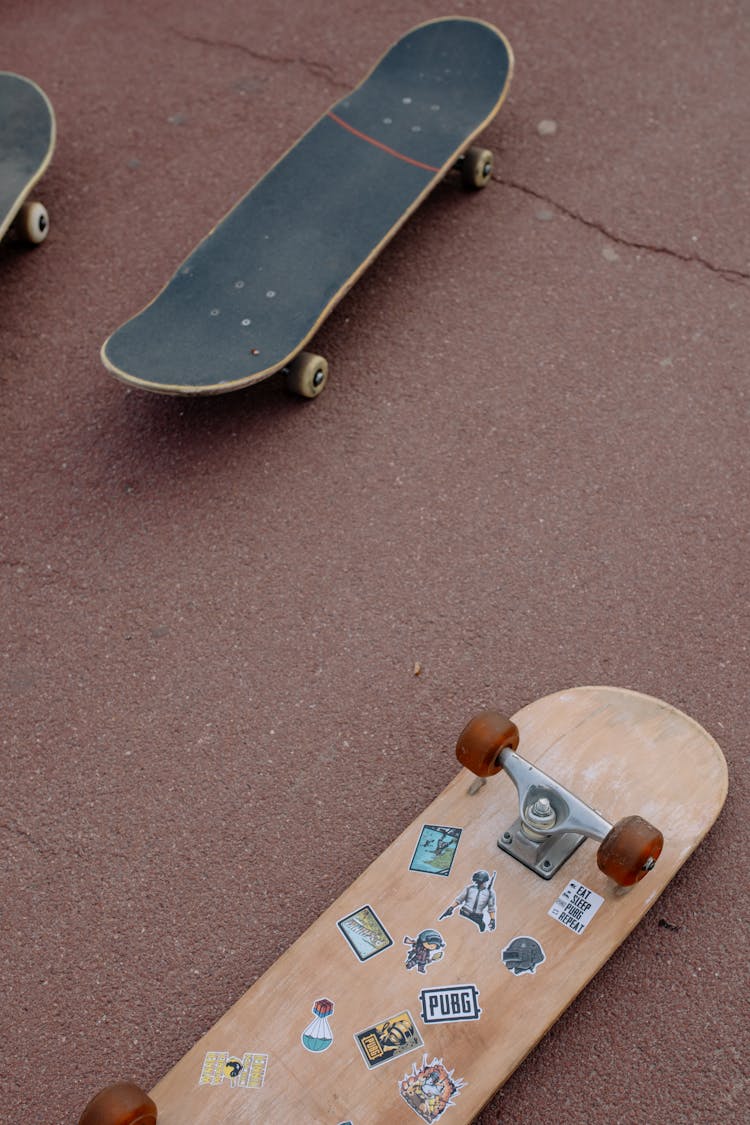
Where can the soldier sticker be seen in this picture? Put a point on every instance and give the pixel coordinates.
(435, 850)
(476, 902)
(522, 955)
(365, 933)
(318, 1036)
(426, 948)
(453, 1003)
(430, 1089)
(247, 1071)
(576, 906)
(387, 1040)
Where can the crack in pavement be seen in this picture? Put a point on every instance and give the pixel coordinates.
(726, 273)
(319, 69)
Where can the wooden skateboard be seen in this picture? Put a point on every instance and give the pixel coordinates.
(420, 990)
(254, 291)
(27, 140)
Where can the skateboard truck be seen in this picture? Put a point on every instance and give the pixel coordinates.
(552, 821)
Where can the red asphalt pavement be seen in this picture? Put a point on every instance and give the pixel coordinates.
(528, 471)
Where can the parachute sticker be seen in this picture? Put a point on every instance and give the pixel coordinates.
(318, 1036)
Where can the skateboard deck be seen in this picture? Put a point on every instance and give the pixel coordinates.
(397, 1004)
(27, 140)
(254, 291)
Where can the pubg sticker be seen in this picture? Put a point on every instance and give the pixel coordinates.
(476, 902)
(247, 1071)
(576, 906)
(435, 850)
(522, 955)
(387, 1040)
(365, 932)
(430, 1089)
(318, 1036)
(426, 948)
(452, 1003)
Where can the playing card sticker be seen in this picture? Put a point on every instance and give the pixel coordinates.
(394, 1036)
(435, 850)
(365, 933)
(576, 906)
(247, 1070)
(430, 1089)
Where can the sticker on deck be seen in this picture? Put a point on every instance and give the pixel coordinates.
(576, 906)
(435, 850)
(247, 1070)
(365, 933)
(388, 1039)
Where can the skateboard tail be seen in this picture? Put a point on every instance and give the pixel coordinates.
(28, 134)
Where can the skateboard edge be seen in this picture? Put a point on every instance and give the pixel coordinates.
(10, 217)
(205, 390)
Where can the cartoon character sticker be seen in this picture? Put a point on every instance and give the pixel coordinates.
(365, 933)
(435, 850)
(394, 1036)
(430, 1089)
(426, 948)
(476, 901)
(522, 955)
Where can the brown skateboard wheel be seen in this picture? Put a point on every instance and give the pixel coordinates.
(121, 1104)
(629, 850)
(482, 741)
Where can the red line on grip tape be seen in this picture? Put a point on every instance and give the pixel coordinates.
(379, 144)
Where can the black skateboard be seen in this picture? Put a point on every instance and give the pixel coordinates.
(27, 139)
(254, 291)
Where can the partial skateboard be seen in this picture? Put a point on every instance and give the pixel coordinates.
(27, 140)
(250, 296)
(419, 991)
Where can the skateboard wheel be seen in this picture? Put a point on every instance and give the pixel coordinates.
(629, 850)
(307, 375)
(482, 741)
(121, 1104)
(476, 167)
(33, 223)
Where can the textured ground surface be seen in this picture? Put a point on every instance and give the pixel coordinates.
(529, 471)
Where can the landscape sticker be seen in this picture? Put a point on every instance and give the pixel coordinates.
(435, 850)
